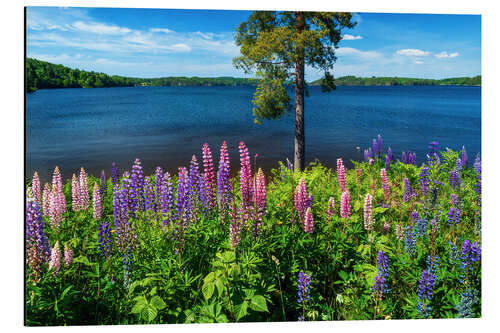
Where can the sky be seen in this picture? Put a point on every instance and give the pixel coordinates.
(163, 42)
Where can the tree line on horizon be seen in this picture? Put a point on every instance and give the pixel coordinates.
(45, 75)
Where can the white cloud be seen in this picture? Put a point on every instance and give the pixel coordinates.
(412, 52)
(445, 54)
(341, 51)
(419, 62)
(164, 30)
(101, 28)
(351, 37)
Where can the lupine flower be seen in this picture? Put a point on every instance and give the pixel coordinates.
(224, 194)
(383, 264)
(433, 265)
(102, 189)
(379, 287)
(459, 166)
(97, 203)
(124, 234)
(68, 255)
(55, 259)
(421, 226)
(115, 174)
(341, 175)
(399, 232)
(374, 147)
(367, 212)
(410, 240)
(433, 147)
(424, 180)
(167, 194)
(159, 184)
(37, 243)
(138, 186)
(36, 188)
(387, 162)
(379, 284)
(368, 153)
(55, 209)
(470, 253)
(330, 211)
(385, 184)
(309, 201)
(304, 287)
(465, 158)
(260, 191)
(468, 301)
(46, 199)
(149, 195)
(425, 294)
(403, 158)
(245, 176)
(105, 239)
(408, 192)
(453, 216)
(309, 221)
(453, 254)
(300, 198)
(234, 227)
(379, 144)
(477, 168)
(75, 192)
(345, 204)
(389, 154)
(454, 178)
(57, 185)
(208, 168)
(84, 190)
(182, 196)
(454, 199)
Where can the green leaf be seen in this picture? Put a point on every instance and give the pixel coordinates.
(258, 303)
(240, 310)
(221, 318)
(208, 290)
(83, 260)
(149, 313)
(137, 308)
(157, 302)
(209, 278)
(220, 287)
(228, 257)
(190, 316)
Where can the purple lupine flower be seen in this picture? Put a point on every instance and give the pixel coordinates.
(408, 192)
(68, 255)
(37, 243)
(55, 259)
(387, 163)
(224, 193)
(159, 185)
(138, 186)
(454, 179)
(341, 177)
(124, 233)
(382, 264)
(379, 144)
(433, 147)
(105, 239)
(208, 168)
(167, 196)
(424, 180)
(425, 294)
(374, 147)
(379, 287)
(309, 201)
(103, 184)
(84, 190)
(193, 190)
(36, 188)
(304, 287)
(245, 176)
(300, 198)
(403, 158)
(76, 192)
(470, 253)
(234, 227)
(367, 212)
(465, 158)
(454, 199)
(459, 166)
(389, 154)
(182, 196)
(97, 203)
(331, 207)
(309, 221)
(345, 204)
(115, 174)
(149, 195)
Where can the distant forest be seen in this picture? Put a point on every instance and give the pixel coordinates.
(45, 75)
(402, 81)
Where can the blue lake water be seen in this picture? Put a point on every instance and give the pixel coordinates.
(165, 126)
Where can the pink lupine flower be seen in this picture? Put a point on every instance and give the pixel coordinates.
(309, 221)
(345, 204)
(368, 212)
(301, 198)
(399, 232)
(75, 191)
(208, 166)
(97, 204)
(370, 161)
(55, 258)
(84, 190)
(57, 185)
(55, 209)
(385, 183)
(36, 188)
(341, 175)
(260, 191)
(245, 176)
(68, 255)
(331, 207)
(46, 199)
(386, 227)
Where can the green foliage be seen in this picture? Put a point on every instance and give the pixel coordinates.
(351, 80)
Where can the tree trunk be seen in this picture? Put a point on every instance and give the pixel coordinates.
(299, 162)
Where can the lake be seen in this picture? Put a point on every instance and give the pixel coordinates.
(165, 126)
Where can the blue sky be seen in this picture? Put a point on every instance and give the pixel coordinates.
(161, 42)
